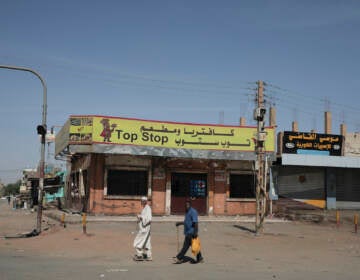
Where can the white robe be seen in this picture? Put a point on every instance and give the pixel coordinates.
(142, 239)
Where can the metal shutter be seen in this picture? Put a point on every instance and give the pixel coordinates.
(301, 182)
(348, 184)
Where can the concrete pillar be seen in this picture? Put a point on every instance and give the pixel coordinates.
(168, 194)
(327, 122)
(280, 140)
(343, 129)
(272, 117)
(330, 188)
(295, 126)
(242, 121)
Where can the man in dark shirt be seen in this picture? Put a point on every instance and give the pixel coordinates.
(190, 231)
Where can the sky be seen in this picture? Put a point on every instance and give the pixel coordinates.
(183, 61)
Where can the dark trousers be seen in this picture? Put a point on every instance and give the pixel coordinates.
(186, 246)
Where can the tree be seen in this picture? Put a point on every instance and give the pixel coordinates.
(12, 188)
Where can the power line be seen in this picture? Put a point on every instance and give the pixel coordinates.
(287, 98)
(101, 73)
(296, 94)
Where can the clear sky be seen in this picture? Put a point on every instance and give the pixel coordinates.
(185, 61)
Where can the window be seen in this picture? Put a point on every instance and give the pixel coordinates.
(127, 182)
(242, 186)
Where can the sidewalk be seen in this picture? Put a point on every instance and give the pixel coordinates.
(76, 218)
(314, 216)
(320, 216)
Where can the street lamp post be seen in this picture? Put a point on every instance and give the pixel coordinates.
(42, 131)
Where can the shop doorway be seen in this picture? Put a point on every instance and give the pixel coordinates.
(188, 185)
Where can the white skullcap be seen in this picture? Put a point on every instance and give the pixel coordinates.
(144, 198)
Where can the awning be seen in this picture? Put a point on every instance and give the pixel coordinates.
(318, 160)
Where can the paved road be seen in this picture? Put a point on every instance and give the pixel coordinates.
(291, 250)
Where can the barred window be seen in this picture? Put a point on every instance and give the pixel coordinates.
(242, 186)
(127, 182)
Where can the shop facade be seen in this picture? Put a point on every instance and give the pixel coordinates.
(316, 169)
(112, 162)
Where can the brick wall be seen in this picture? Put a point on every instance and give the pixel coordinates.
(241, 207)
(218, 188)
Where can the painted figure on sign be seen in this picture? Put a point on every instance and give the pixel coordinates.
(107, 129)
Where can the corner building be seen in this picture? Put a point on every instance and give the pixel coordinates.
(112, 162)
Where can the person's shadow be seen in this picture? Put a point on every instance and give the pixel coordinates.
(244, 228)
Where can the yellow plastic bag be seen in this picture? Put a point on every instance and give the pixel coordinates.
(195, 246)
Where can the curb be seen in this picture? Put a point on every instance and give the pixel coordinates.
(77, 219)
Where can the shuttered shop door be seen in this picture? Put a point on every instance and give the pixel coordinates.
(348, 184)
(301, 182)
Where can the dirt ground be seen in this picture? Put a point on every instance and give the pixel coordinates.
(285, 250)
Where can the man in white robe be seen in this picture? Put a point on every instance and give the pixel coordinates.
(142, 242)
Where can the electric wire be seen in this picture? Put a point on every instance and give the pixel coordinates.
(287, 99)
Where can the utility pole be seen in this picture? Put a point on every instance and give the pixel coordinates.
(259, 116)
